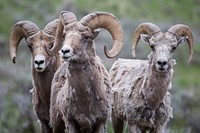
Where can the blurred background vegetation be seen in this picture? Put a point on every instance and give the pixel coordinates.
(16, 111)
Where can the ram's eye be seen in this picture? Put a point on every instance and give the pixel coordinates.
(30, 47)
(173, 48)
(152, 47)
(64, 34)
(86, 37)
(50, 45)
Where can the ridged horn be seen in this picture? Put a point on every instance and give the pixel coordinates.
(183, 30)
(65, 18)
(143, 28)
(19, 30)
(51, 27)
(109, 22)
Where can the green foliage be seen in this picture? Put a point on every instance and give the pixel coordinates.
(13, 11)
(15, 79)
(177, 11)
(110, 128)
(187, 79)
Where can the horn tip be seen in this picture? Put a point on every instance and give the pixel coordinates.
(107, 52)
(190, 59)
(14, 60)
(133, 53)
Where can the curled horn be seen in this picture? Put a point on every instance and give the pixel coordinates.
(183, 30)
(20, 30)
(65, 18)
(144, 28)
(109, 22)
(51, 27)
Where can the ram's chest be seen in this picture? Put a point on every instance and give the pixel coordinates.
(136, 111)
(87, 112)
(146, 117)
(86, 100)
(86, 105)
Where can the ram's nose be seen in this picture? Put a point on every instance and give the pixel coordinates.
(66, 52)
(161, 64)
(39, 63)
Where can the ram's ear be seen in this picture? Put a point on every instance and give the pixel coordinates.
(96, 32)
(182, 39)
(145, 38)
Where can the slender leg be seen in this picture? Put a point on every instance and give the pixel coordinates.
(117, 124)
(157, 130)
(42, 113)
(152, 130)
(133, 128)
(46, 127)
(73, 128)
(144, 130)
(101, 128)
(58, 126)
(59, 129)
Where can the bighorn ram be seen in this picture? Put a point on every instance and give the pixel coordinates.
(43, 65)
(141, 87)
(80, 95)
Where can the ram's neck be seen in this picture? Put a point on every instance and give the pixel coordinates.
(155, 86)
(86, 83)
(42, 80)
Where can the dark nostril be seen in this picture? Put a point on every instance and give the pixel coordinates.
(65, 51)
(164, 62)
(36, 62)
(161, 63)
(39, 62)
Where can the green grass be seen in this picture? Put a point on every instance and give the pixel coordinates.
(158, 10)
(15, 78)
(187, 76)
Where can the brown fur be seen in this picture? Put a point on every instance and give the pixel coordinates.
(42, 80)
(43, 65)
(80, 95)
(41, 92)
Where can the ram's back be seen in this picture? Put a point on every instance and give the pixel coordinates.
(125, 72)
(126, 78)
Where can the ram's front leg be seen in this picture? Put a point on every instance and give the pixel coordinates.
(58, 125)
(101, 128)
(133, 128)
(45, 127)
(72, 128)
(117, 123)
(157, 130)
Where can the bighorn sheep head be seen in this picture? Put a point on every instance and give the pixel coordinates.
(38, 41)
(163, 45)
(77, 36)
